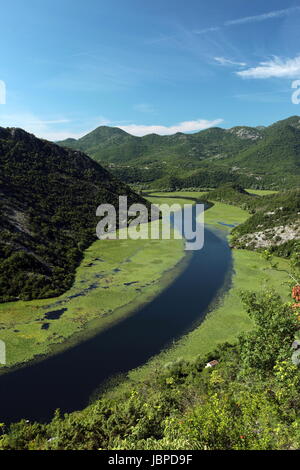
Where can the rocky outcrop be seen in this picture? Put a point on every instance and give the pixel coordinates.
(274, 236)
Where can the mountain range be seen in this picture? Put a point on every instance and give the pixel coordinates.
(49, 192)
(259, 157)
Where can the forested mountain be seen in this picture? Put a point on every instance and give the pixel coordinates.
(260, 157)
(278, 152)
(110, 144)
(48, 200)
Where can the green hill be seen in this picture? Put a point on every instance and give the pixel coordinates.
(232, 194)
(154, 158)
(110, 144)
(278, 152)
(274, 224)
(257, 157)
(48, 198)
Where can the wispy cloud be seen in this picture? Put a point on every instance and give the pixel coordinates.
(144, 108)
(224, 61)
(263, 17)
(251, 19)
(50, 129)
(186, 126)
(273, 68)
(208, 30)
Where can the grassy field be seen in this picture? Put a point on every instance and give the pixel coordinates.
(115, 277)
(222, 213)
(193, 194)
(216, 216)
(178, 194)
(227, 318)
(261, 192)
(160, 199)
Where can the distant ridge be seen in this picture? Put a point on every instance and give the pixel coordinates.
(262, 157)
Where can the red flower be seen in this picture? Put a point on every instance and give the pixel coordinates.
(296, 293)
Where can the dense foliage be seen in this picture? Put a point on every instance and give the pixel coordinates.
(233, 194)
(272, 214)
(250, 400)
(48, 201)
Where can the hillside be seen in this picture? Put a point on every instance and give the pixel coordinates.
(260, 157)
(277, 153)
(274, 223)
(113, 145)
(48, 198)
(232, 194)
(155, 158)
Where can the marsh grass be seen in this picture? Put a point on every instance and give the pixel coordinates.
(226, 317)
(114, 279)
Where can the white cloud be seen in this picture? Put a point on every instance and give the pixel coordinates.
(55, 136)
(274, 68)
(265, 16)
(50, 129)
(224, 61)
(186, 126)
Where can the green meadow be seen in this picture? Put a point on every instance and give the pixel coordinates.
(161, 199)
(226, 318)
(222, 213)
(261, 192)
(114, 279)
(217, 215)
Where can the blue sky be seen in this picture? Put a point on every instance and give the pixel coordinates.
(161, 66)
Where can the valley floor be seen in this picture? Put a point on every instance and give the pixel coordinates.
(117, 277)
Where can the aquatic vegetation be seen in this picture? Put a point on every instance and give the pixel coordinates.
(114, 278)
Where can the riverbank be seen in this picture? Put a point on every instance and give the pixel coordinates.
(226, 318)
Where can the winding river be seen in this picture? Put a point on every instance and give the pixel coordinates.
(68, 380)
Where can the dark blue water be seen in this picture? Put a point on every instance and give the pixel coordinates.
(227, 225)
(67, 380)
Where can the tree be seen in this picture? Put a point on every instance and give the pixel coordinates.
(276, 325)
